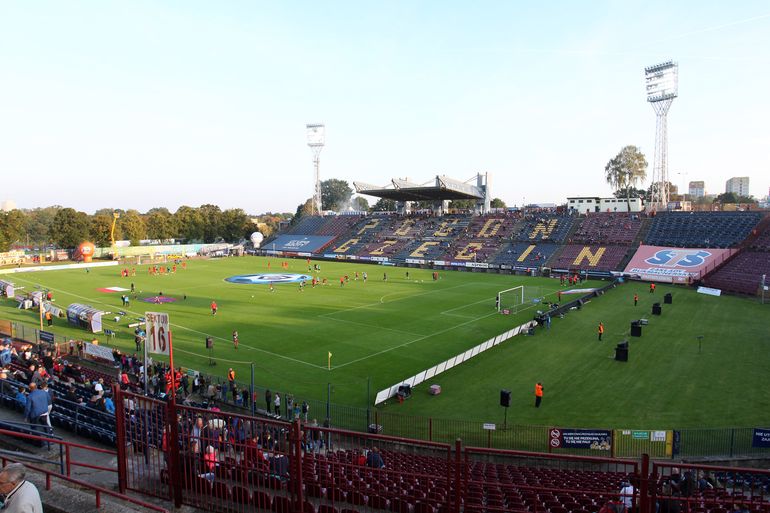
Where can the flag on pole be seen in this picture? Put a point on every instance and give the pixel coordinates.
(330, 361)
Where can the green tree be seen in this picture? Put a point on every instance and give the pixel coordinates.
(69, 228)
(212, 222)
(303, 210)
(632, 192)
(39, 222)
(335, 194)
(132, 227)
(101, 229)
(189, 222)
(160, 224)
(625, 169)
(360, 203)
(467, 204)
(732, 197)
(12, 228)
(235, 225)
(384, 205)
(497, 203)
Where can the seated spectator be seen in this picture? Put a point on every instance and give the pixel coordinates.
(209, 463)
(5, 356)
(279, 466)
(109, 405)
(374, 459)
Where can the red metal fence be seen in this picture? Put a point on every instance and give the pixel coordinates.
(226, 462)
(68, 463)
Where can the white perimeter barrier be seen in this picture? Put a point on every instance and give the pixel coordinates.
(16, 270)
(384, 395)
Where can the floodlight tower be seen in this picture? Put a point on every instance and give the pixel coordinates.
(316, 135)
(662, 83)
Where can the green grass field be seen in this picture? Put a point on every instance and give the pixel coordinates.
(386, 331)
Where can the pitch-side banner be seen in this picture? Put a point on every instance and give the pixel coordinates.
(157, 333)
(594, 439)
(657, 263)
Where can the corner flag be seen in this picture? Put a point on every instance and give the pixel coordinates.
(330, 361)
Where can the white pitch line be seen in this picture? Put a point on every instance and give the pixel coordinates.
(372, 326)
(386, 295)
(283, 357)
(411, 341)
(446, 312)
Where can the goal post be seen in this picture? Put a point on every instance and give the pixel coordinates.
(510, 299)
(517, 298)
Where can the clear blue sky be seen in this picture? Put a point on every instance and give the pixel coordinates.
(142, 104)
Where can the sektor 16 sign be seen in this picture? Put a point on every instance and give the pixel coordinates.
(157, 333)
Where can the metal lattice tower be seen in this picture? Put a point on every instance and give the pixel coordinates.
(660, 181)
(316, 136)
(662, 83)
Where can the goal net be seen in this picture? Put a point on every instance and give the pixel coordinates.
(517, 298)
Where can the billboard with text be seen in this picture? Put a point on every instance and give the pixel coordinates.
(676, 265)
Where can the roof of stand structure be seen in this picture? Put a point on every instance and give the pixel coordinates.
(444, 188)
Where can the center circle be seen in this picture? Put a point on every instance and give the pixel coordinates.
(255, 279)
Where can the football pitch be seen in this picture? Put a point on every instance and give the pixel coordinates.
(382, 331)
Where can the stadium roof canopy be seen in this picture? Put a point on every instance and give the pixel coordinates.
(445, 188)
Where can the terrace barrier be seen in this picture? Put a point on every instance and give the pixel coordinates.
(227, 462)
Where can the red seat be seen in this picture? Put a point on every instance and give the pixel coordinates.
(221, 491)
(281, 504)
(325, 508)
(261, 500)
(424, 507)
(241, 495)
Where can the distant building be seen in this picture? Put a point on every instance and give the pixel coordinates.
(739, 185)
(8, 205)
(588, 204)
(697, 189)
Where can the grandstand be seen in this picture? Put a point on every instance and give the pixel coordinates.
(701, 229)
(744, 273)
(600, 243)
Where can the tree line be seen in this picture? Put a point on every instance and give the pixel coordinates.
(629, 167)
(65, 227)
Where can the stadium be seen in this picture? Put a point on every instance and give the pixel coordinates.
(382, 326)
(452, 348)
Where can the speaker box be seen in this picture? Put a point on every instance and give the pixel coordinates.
(657, 309)
(668, 299)
(505, 398)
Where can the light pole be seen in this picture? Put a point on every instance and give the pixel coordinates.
(662, 87)
(316, 138)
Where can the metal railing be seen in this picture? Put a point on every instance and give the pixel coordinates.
(69, 463)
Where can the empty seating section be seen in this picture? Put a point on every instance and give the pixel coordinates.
(590, 258)
(309, 225)
(607, 228)
(337, 225)
(545, 227)
(524, 254)
(701, 229)
(367, 230)
(762, 241)
(743, 273)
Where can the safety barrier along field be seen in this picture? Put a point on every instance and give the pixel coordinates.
(420, 377)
